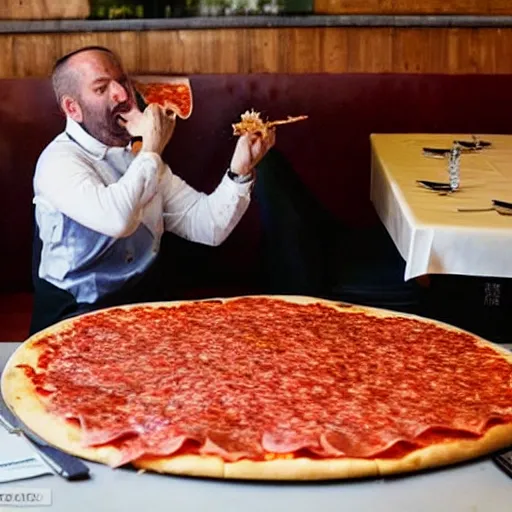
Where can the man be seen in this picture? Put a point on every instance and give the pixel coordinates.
(101, 211)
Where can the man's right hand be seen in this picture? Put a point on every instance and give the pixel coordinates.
(153, 125)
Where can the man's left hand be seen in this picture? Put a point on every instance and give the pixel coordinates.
(249, 151)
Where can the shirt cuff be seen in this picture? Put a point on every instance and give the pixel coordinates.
(241, 188)
(239, 178)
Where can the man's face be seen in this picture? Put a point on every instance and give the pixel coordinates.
(104, 92)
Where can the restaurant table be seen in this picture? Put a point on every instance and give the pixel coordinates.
(430, 233)
(477, 486)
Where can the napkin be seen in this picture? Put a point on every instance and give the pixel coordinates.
(19, 460)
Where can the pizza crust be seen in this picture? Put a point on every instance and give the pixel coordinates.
(443, 454)
(277, 469)
(333, 469)
(19, 394)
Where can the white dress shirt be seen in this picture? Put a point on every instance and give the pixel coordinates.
(101, 212)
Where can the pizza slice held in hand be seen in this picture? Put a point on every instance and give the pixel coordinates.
(252, 123)
(172, 93)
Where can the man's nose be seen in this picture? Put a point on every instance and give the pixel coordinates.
(119, 93)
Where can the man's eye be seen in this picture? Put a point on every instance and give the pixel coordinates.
(100, 90)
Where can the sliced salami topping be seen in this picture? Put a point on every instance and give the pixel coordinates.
(262, 377)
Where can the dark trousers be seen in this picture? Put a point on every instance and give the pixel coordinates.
(298, 233)
(52, 304)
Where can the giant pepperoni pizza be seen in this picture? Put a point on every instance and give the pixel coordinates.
(263, 387)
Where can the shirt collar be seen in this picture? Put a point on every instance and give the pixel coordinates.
(93, 146)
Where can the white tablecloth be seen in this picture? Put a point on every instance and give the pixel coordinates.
(431, 235)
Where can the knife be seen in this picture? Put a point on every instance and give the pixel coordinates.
(502, 204)
(504, 462)
(436, 152)
(434, 185)
(65, 465)
(475, 144)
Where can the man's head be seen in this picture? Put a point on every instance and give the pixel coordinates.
(93, 90)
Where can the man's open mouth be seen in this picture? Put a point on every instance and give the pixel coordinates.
(120, 120)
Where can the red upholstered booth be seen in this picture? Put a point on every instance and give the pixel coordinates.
(330, 151)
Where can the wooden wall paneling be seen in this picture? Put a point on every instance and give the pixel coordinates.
(272, 50)
(370, 50)
(475, 7)
(44, 9)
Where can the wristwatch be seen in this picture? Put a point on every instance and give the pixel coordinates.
(238, 178)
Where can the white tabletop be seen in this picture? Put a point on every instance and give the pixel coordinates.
(472, 487)
(431, 235)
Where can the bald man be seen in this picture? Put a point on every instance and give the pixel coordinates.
(101, 211)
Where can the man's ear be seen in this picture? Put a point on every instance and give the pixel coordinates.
(71, 108)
